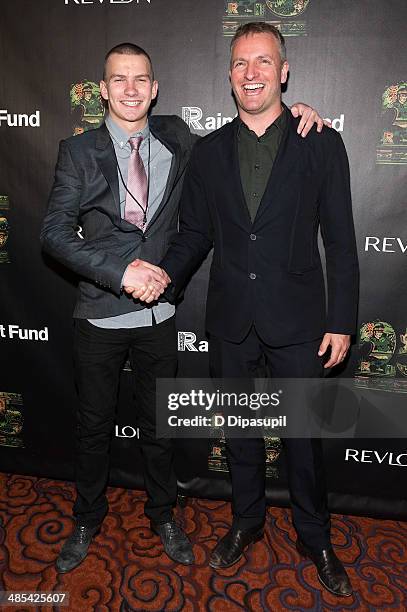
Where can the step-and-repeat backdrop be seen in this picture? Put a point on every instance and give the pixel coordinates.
(348, 60)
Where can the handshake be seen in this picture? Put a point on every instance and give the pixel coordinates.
(144, 281)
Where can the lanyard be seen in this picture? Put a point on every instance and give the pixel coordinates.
(148, 183)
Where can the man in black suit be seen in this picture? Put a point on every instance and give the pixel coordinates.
(122, 183)
(257, 192)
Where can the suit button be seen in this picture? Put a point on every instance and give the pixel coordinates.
(252, 276)
(253, 237)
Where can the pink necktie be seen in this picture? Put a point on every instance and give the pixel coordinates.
(137, 185)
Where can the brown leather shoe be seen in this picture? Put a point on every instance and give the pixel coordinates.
(331, 573)
(230, 548)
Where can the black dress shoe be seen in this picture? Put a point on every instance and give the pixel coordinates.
(75, 548)
(331, 573)
(230, 548)
(175, 542)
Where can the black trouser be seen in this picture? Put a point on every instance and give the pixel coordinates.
(246, 457)
(99, 355)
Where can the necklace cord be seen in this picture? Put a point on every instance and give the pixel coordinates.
(148, 182)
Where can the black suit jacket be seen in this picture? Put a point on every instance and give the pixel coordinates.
(86, 193)
(268, 273)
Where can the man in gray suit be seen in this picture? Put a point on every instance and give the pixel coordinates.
(122, 184)
(92, 189)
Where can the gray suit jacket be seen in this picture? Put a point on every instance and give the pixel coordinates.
(86, 193)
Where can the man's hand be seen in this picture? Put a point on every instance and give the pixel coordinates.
(339, 344)
(144, 281)
(309, 116)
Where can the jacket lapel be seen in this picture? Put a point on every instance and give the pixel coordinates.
(106, 160)
(169, 138)
(284, 168)
(229, 156)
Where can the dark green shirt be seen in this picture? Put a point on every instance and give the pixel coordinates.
(256, 159)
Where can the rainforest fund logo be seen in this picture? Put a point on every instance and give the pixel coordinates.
(287, 8)
(392, 146)
(11, 419)
(87, 107)
(217, 460)
(283, 14)
(382, 360)
(4, 228)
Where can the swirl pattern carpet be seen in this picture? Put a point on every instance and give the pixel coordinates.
(126, 569)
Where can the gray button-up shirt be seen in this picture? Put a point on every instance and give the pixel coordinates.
(158, 166)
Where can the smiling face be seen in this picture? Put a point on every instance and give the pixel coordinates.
(129, 89)
(256, 74)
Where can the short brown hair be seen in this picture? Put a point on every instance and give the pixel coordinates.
(260, 27)
(128, 49)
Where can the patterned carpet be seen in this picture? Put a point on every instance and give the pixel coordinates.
(126, 570)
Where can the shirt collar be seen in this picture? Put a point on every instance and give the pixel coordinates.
(279, 123)
(119, 136)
